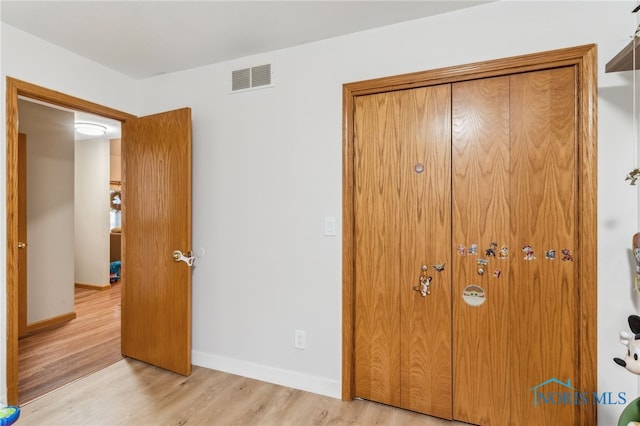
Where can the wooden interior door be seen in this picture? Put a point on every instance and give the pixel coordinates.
(402, 222)
(156, 220)
(514, 184)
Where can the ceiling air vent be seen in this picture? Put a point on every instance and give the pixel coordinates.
(250, 78)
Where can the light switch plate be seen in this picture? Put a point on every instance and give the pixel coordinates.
(329, 226)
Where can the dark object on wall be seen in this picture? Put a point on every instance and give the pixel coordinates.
(114, 247)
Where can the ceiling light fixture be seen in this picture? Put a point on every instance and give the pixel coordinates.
(90, 129)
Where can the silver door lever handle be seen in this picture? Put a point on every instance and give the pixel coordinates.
(188, 259)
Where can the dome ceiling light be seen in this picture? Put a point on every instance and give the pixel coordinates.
(90, 129)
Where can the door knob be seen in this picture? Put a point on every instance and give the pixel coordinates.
(22, 245)
(179, 256)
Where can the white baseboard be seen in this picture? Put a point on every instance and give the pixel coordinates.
(265, 373)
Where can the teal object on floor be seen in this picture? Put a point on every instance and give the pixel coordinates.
(9, 415)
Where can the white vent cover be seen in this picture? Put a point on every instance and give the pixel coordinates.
(249, 78)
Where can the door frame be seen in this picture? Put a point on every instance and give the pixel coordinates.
(14, 89)
(584, 59)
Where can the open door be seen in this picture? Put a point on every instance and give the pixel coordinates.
(156, 222)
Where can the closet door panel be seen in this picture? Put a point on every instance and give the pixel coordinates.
(425, 239)
(481, 217)
(377, 227)
(403, 221)
(545, 290)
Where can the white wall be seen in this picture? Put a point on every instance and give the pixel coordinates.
(50, 263)
(37, 61)
(267, 169)
(92, 211)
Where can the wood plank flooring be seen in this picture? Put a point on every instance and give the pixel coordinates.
(134, 393)
(88, 343)
(129, 392)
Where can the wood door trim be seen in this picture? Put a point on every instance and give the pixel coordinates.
(584, 59)
(16, 88)
(22, 233)
(588, 226)
(476, 70)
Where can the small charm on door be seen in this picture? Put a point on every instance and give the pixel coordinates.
(473, 295)
(424, 287)
(491, 251)
(567, 256)
(424, 282)
(528, 252)
(503, 253)
(439, 267)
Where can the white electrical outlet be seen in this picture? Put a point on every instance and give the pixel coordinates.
(300, 341)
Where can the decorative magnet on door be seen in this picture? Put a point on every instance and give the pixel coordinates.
(503, 253)
(419, 168)
(550, 254)
(482, 262)
(567, 255)
(462, 250)
(491, 251)
(528, 252)
(439, 267)
(424, 283)
(480, 271)
(473, 295)
(473, 249)
(497, 273)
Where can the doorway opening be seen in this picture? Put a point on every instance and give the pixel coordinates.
(18, 89)
(69, 299)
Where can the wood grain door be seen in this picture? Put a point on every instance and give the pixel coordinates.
(546, 327)
(524, 236)
(156, 210)
(402, 222)
(514, 185)
(481, 216)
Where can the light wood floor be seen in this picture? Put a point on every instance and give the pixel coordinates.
(133, 393)
(91, 341)
(129, 392)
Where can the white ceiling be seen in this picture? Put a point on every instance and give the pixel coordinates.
(146, 38)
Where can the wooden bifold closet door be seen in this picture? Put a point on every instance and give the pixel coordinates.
(472, 185)
(514, 163)
(402, 206)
